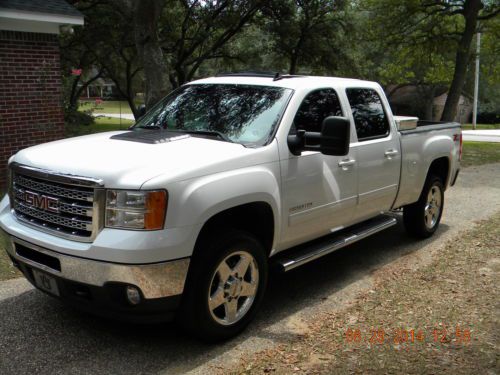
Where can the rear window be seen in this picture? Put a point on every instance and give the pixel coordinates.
(368, 112)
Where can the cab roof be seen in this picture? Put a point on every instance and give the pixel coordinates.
(287, 81)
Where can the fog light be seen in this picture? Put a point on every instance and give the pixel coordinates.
(133, 295)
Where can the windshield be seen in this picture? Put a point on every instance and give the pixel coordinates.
(244, 114)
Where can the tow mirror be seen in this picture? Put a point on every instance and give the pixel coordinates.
(333, 140)
(335, 136)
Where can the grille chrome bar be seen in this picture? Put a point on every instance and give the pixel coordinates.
(69, 222)
(66, 207)
(52, 189)
(76, 211)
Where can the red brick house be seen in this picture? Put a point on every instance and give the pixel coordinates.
(30, 75)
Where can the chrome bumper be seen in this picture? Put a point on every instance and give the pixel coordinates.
(156, 280)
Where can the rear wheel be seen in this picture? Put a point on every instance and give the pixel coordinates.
(422, 218)
(225, 286)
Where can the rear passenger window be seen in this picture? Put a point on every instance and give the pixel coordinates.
(368, 112)
(316, 106)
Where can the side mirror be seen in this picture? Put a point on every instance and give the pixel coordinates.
(333, 140)
(335, 136)
(141, 111)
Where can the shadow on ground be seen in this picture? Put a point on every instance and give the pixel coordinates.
(38, 334)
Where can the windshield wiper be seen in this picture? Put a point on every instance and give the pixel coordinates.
(205, 132)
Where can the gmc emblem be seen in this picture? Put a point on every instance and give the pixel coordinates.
(41, 202)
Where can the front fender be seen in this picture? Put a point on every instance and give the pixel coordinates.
(195, 201)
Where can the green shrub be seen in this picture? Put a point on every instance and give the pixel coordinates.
(77, 122)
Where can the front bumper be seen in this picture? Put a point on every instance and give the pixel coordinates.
(98, 286)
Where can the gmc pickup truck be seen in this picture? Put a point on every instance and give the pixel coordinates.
(182, 215)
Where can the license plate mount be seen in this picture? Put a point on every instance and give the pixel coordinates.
(46, 282)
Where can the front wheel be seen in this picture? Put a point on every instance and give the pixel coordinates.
(422, 218)
(225, 286)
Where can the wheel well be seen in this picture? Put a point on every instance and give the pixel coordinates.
(440, 167)
(255, 218)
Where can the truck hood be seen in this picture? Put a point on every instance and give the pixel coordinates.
(127, 164)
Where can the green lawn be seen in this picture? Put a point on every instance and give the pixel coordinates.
(105, 124)
(101, 124)
(108, 106)
(477, 153)
(7, 270)
(481, 126)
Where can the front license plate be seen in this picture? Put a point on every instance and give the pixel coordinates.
(46, 282)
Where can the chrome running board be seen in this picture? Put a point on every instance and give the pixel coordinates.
(299, 255)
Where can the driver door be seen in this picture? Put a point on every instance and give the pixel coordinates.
(319, 191)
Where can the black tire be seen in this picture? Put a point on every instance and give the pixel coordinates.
(195, 314)
(414, 215)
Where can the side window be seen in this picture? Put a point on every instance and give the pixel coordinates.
(368, 112)
(315, 108)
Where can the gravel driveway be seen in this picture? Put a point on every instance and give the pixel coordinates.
(39, 335)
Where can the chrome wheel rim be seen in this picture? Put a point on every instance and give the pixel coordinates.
(233, 288)
(432, 207)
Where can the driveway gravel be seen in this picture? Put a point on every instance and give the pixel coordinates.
(40, 335)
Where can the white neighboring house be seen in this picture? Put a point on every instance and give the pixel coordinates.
(38, 16)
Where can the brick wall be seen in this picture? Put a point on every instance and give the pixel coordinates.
(30, 93)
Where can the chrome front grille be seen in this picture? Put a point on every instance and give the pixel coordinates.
(58, 220)
(67, 206)
(53, 189)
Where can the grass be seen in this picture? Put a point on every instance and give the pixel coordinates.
(481, 126)
(440, 319)
(478, 153)
(108, 106)
(7, 270)
(101, 124)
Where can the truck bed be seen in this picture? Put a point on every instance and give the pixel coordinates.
(419, 147)
(426, 125)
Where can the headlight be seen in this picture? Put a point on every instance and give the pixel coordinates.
(136, 209)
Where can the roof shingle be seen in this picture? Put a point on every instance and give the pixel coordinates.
(59, 7)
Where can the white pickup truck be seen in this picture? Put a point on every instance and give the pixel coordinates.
(183, 214)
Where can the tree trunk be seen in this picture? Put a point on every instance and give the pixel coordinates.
(76, 91)
(429, 103)
(73, 97)
(294, 58)
(293, 63)
(146, 14)
(470, 12)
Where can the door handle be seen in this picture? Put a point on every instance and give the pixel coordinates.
(346, 163)
(390, 153)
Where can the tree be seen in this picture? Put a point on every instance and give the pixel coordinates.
(409, 53)
(305, 30)
(165, 44)
(79, 60)
(472, 11)
(107, 46)
(145, 16)
(431, 34)
(194, 32)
